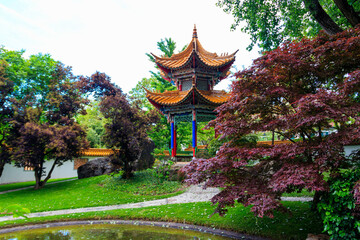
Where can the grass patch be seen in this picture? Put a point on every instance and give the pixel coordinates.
(12, 186)
(144, 183)
(294, 226)
(88, 192)
(303, 193)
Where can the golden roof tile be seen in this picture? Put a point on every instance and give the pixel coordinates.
(97, 152)
(170, 98)
(180, 59)
(215, 96)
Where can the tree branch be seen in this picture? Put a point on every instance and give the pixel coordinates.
(50, 172)
(280, 133)
(348, 11)
(322, 17)
(319, 132)
(307, 135)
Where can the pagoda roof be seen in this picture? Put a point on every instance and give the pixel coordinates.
(97, 152)
(179, 60)
(174, 98)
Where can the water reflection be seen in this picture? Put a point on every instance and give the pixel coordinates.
(107, 232)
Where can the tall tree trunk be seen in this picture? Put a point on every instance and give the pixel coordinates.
(322, 17)
(316, 200)
(4, 155)
(2, 164)
(128, 168)
(49, 174)
(348, 11)
(37, 172)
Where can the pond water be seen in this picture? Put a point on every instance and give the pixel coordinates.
(109, 231)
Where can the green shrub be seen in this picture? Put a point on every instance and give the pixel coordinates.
(16, 210)
(162, 169)
(338, 210)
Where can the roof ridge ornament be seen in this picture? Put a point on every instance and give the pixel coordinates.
(194, 39)
(195, 32)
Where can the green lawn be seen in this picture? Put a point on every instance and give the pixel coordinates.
(11, 186)
(91, 192)
(303, 193)
(294, 225)
(106, 190)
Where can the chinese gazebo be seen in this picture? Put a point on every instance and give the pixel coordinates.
(194, 72)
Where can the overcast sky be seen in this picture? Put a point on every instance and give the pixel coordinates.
(112, 36)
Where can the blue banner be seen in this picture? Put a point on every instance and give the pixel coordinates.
(172, 134)
(194, 133)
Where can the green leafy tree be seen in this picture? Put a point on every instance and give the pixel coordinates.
(167, 46)
(270, 23)
(6, 90)
(94, 124)
(44, 101)
(138, 93)
(16, 70)
(32, 76)
(24, 80)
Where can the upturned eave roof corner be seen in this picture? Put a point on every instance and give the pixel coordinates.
(156, 57)
(179, 60)
(147, 91)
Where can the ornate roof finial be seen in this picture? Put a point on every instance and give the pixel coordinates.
(194, 32)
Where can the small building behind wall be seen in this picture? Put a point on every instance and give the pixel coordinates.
(13, 174)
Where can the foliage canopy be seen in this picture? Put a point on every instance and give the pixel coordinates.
(270, 23)
(302, 90)
(39, 102)
(126, 124)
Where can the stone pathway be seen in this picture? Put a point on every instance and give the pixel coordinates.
(19, 189)
(194, 194)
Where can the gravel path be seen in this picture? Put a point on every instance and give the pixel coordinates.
(194, 194)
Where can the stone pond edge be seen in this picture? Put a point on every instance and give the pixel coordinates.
(215, 231)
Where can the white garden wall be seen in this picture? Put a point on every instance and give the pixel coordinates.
(350, 148)
(14, 174)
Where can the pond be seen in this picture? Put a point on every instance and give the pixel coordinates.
(109, 231)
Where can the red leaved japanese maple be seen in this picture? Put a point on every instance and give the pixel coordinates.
(127, 124)
(299, 91)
